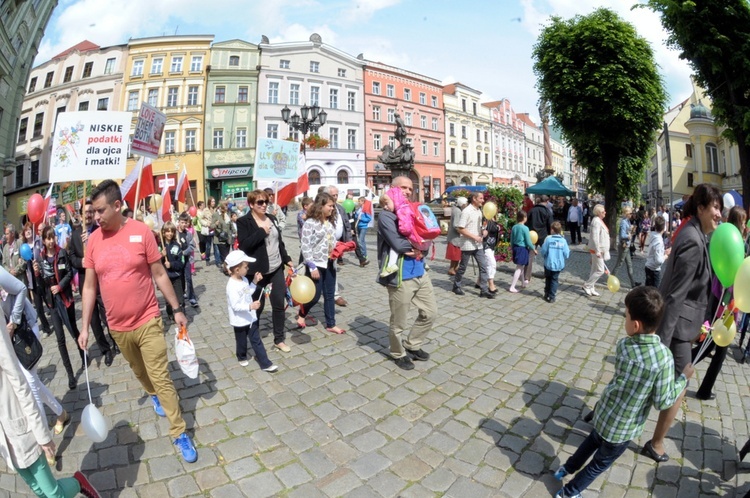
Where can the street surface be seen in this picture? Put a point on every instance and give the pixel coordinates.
(497, 407)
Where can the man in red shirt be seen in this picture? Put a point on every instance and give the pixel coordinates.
(122, 257)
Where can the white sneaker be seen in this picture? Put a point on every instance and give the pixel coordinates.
(594, 293)
(244, 363)
(272, 368)
(587, 291)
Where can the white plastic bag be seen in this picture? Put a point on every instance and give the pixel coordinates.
(185, 351)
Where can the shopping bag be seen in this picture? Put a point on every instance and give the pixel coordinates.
(185, 351)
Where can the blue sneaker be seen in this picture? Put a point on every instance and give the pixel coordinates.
(157, 406)
(186, 448)
(561, 473)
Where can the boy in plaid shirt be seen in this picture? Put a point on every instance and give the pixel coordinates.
(644, 375)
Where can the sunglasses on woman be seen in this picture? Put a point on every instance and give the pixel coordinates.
(261, 203)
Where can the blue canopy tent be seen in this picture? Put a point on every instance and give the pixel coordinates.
(550, 186)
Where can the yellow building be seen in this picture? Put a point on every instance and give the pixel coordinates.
(169, 72)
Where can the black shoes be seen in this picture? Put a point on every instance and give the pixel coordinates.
(703, 397)
(487, 295)
(72, 383)
(404, 363)
(649, 451)
(458, 290)
(419, 354)
(108, 358)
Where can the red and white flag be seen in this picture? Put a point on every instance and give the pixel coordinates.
(301, 186)
(163, 215)
(130, 184)
(182, 186)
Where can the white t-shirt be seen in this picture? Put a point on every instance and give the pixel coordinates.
(239, 298)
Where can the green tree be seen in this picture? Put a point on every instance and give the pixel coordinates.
(600, 80)
(714, 36)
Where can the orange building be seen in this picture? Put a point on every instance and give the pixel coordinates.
(419, 101)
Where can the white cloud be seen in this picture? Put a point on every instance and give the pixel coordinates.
(362, 10)
(297, 32)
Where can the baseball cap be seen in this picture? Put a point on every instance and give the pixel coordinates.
(236, 257)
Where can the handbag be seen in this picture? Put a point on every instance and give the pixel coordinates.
(26, 345)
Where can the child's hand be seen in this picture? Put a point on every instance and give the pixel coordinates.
(255, 305)
(258, 277)
(688, 370)
(536, 252)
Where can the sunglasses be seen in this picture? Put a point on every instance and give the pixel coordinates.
(261, 203)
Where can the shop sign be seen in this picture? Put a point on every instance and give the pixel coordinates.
(230, 171)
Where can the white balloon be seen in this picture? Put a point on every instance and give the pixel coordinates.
(728, 201)
(94, 424)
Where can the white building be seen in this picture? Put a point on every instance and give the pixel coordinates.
(509, 166)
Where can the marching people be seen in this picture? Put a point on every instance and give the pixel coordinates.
(575, 220)
(174, 262)
(555, 251)
(187, 245)
(34, 294)
(656, 253)
(521, 247)
(539, 220)
(623, 246)
(453, 247)
(599, 249)
(470, 228)
(221, 225)
(206, 216)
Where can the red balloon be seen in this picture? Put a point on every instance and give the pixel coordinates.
(35, 209)
(192, 211)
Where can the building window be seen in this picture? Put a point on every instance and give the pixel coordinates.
(463, 132)
(314, 67)
(712, 158)
(24, 125)
(465, 156)
(342, 177)
(407, 118)
(423, 121)
(314, 95)
(453, 155)
(102, 104)
(435, 149)
(241, 138)
(87, 69)
(463, 105)
(351, 101)
(376, 113)
(219, 139)
(689, 150)
(424, 147)
(34, 173)
(690, 180)
(422, 98)
(392, 142)
(474, 108)
(83, 106)
(351, 139)
(192, 98)
(376, 88)
(391, 91)
(273, 92)
(342, 73)
(283, 64)
(153, 96)
(109, 67)
(452, 129)
(176, 66)
(376, 143)
(172, 97)
(434, 101)
(190, 141)
(32, 84)
(133, 101)
(486, 137)
(38, 120)
(48, 79)
(196, 64)
(391, 115)
(479, 158)
(169, 142)
(220, 94)
(137, 68)
(272, 131)
(294, 94)
(68, 74)
(242, 94)
(234, 60)
(333, 138)
(334, 98)
(294, 134)
(434, 124)
(407, 94)
(486, 159)
(479, 135)
(313, 177)
(156, 65)
(19, 176)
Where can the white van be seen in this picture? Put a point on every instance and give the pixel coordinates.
(344, 189)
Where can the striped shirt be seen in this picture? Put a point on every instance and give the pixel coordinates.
(644, 375)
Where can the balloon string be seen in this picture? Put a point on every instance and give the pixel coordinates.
(709, 337)
(86, 369)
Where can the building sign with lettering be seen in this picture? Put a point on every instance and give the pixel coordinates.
(231, 171)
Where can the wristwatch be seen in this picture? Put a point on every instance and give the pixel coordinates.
(178, 309)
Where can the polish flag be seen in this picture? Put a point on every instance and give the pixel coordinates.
(130, 184)
(301, 186)
(163, 214)
(182, 186)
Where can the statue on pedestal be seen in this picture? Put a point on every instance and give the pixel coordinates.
(401, 159)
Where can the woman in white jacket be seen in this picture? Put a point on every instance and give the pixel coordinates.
(599, 248)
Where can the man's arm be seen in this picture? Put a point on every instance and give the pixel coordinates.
(165, 286)
(389, 231)
(88, 298)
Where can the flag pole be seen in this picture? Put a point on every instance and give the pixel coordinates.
(139, 165)
(189, 189)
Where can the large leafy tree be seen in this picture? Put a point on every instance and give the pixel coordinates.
(600, 80)
(714, 36)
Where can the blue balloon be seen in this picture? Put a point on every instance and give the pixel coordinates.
(26, 253)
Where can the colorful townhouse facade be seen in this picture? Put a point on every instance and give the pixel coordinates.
(510, 166)
(418, 100)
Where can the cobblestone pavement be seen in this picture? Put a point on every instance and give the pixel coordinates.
(499, 404)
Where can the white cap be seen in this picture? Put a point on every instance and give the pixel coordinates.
(461, 201)
(236, 257)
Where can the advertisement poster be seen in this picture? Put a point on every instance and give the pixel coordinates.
(89, 145)
(276, 159)
(148, 131)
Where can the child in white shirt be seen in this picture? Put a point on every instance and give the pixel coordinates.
(242, 309)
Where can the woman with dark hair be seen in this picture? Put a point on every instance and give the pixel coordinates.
(318, 241)
(27, 236)
(206, 216)
(685, 287)
(259, 237)
(221, 224)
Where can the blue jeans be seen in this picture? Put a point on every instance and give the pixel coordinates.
(361, 234)
(550, 283)
(325, 286)
(241, 335)
(605, 454)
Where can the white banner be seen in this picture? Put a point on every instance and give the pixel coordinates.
(148, 131)
(89, 145)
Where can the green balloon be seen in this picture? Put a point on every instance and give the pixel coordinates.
(348, 205)
(727, 251)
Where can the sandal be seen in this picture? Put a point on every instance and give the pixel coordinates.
(336, 330)
(301, 325)
(62, 421)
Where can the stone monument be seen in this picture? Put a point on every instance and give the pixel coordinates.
(400, 161)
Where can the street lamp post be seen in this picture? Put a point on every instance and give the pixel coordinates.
(310, 120)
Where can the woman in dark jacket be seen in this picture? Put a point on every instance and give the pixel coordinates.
(259, 237)
(174, 262)
(54, 274)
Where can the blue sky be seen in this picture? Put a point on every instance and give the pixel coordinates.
(484, 44)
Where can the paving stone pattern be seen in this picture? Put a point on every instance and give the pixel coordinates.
(497, 407)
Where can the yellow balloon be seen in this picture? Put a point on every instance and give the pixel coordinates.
(613, 283)
(155, 202)
(534, 236)
(489, 210)
(722, 335)
(149, 221)
(742, 287)
(302, 289)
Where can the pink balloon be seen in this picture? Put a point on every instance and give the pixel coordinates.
(193, 211)
(35, 208)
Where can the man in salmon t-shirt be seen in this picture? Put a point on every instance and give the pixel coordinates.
(121, 258)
